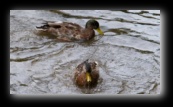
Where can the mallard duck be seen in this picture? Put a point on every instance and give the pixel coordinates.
(67, 31)
(86, 74)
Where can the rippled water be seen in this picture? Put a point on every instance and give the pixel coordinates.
(128, 54)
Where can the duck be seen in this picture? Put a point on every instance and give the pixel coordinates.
(68, 31)
(86, 74)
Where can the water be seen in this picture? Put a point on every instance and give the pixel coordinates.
(128, 54)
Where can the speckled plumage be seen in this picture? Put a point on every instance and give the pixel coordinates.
(67, 31)
(80, 74)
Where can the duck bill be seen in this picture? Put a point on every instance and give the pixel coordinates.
(88, 77)
(99, 31)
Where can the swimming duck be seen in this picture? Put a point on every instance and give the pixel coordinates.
(67, 31)
(86, 74)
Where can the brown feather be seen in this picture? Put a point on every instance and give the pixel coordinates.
(67, 31)
(80, 75)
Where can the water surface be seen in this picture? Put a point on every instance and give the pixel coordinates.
(128, 54)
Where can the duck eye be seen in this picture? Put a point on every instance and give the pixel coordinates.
(96, 25)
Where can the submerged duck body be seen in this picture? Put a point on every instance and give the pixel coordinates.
(67, 31)
(86, 74)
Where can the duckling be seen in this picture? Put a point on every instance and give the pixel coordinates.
(67, 31)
